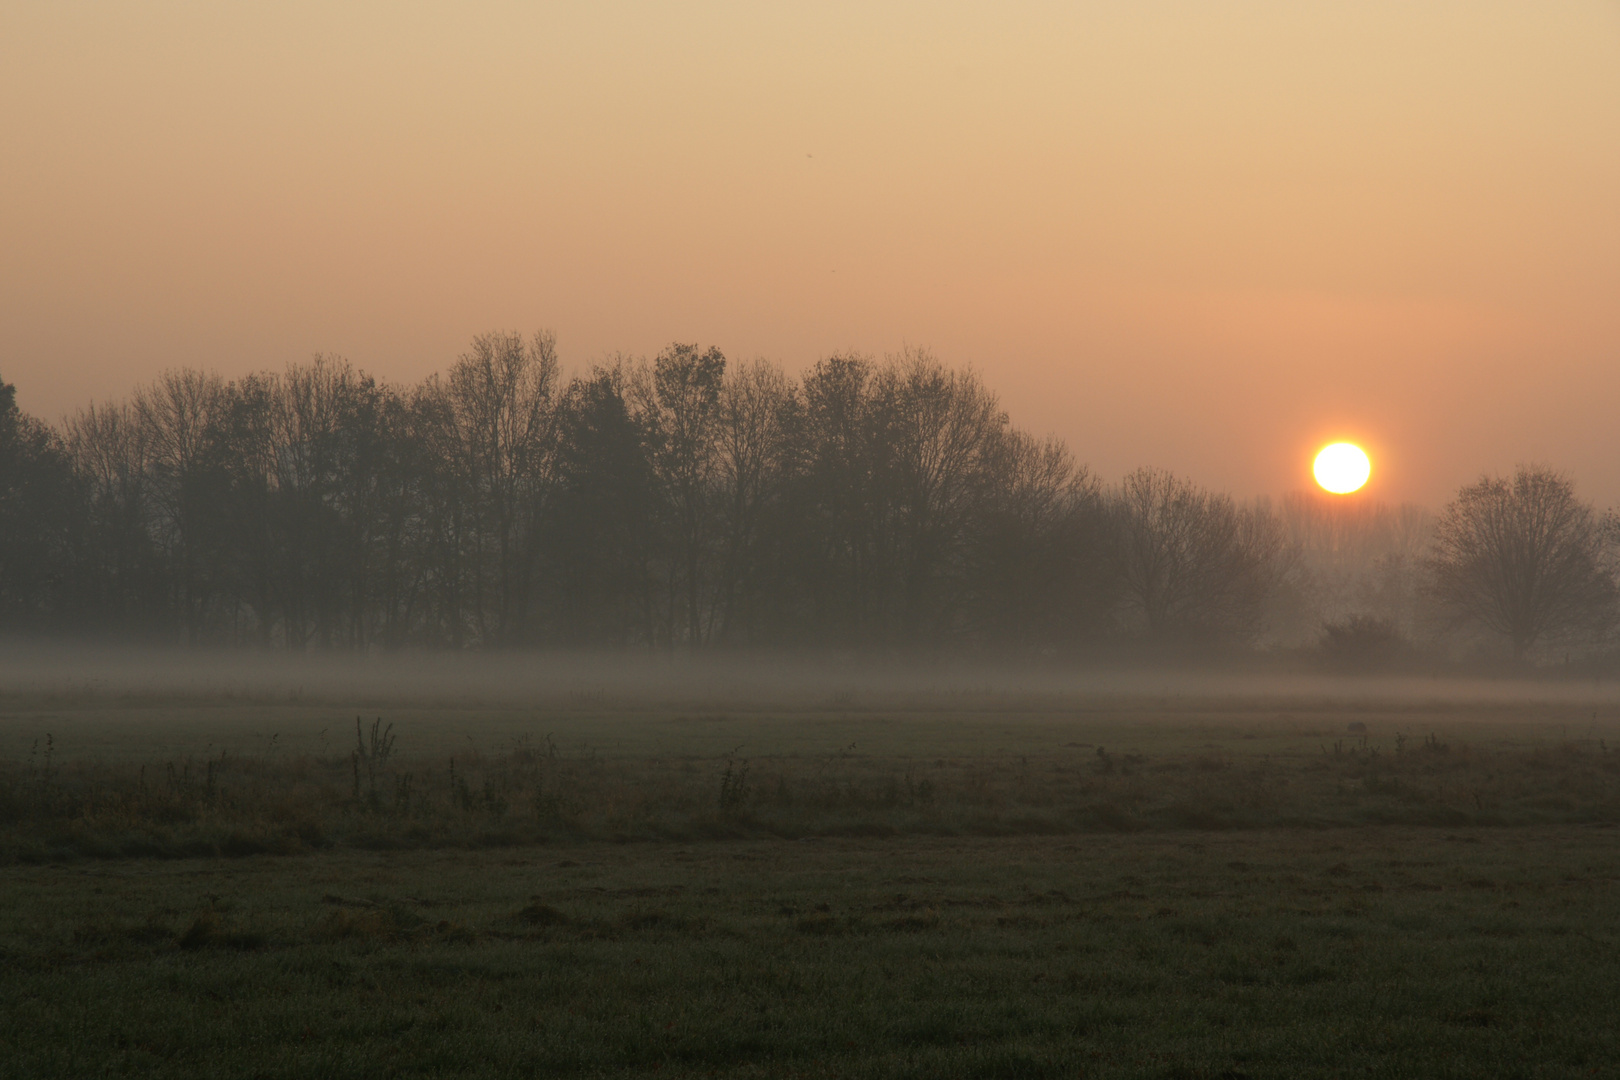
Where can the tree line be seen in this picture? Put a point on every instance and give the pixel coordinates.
(685, 502)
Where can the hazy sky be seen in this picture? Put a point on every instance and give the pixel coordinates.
(1202, 236)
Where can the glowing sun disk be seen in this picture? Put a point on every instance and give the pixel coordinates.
(1342, 468)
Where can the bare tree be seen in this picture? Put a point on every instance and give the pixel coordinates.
(39, 502)
(309, 414)
(500, 407)
(602, 535)
(107, 445)
(1523, 558)
(755, 399)
(832, 539)
(683, 412)
(1037, 564)
(1192, 562)
(941, 429)
(180, 414)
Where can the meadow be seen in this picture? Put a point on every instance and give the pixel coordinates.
(878, 882)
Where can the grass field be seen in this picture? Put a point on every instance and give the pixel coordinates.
(945, 886)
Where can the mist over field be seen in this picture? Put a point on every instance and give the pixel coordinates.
(605, 682)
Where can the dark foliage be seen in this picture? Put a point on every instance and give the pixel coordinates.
(1525, 559)
(685, 503)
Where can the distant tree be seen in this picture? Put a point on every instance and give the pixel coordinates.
(1525, 559)
(388, 495)
(835, 566)
(601, 536)
(889, 468)
(1037, 564)
(682, 410)
(683, 500)
(756, 404)
(38, 520)
(181, 414)
(1192, 563)
(287, 459)
(940, 430)
(122, 573)
(499, 412)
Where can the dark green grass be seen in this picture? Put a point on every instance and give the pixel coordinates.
(1157, 890)
(1382, 952)
(241, 780)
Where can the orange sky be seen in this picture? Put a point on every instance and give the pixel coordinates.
(1202, 236)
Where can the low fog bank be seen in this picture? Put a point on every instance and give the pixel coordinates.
(639, 680)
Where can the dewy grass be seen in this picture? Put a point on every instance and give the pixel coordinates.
(1023, 776)
(1154, 893)
(1345, 952)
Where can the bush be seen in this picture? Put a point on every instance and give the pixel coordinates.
(1361, 643)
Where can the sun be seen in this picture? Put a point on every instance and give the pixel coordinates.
(1342, 468)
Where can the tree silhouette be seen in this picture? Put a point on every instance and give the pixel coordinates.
(1191, 563)
(1523, 558)
(39, 522)
(683, 502)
